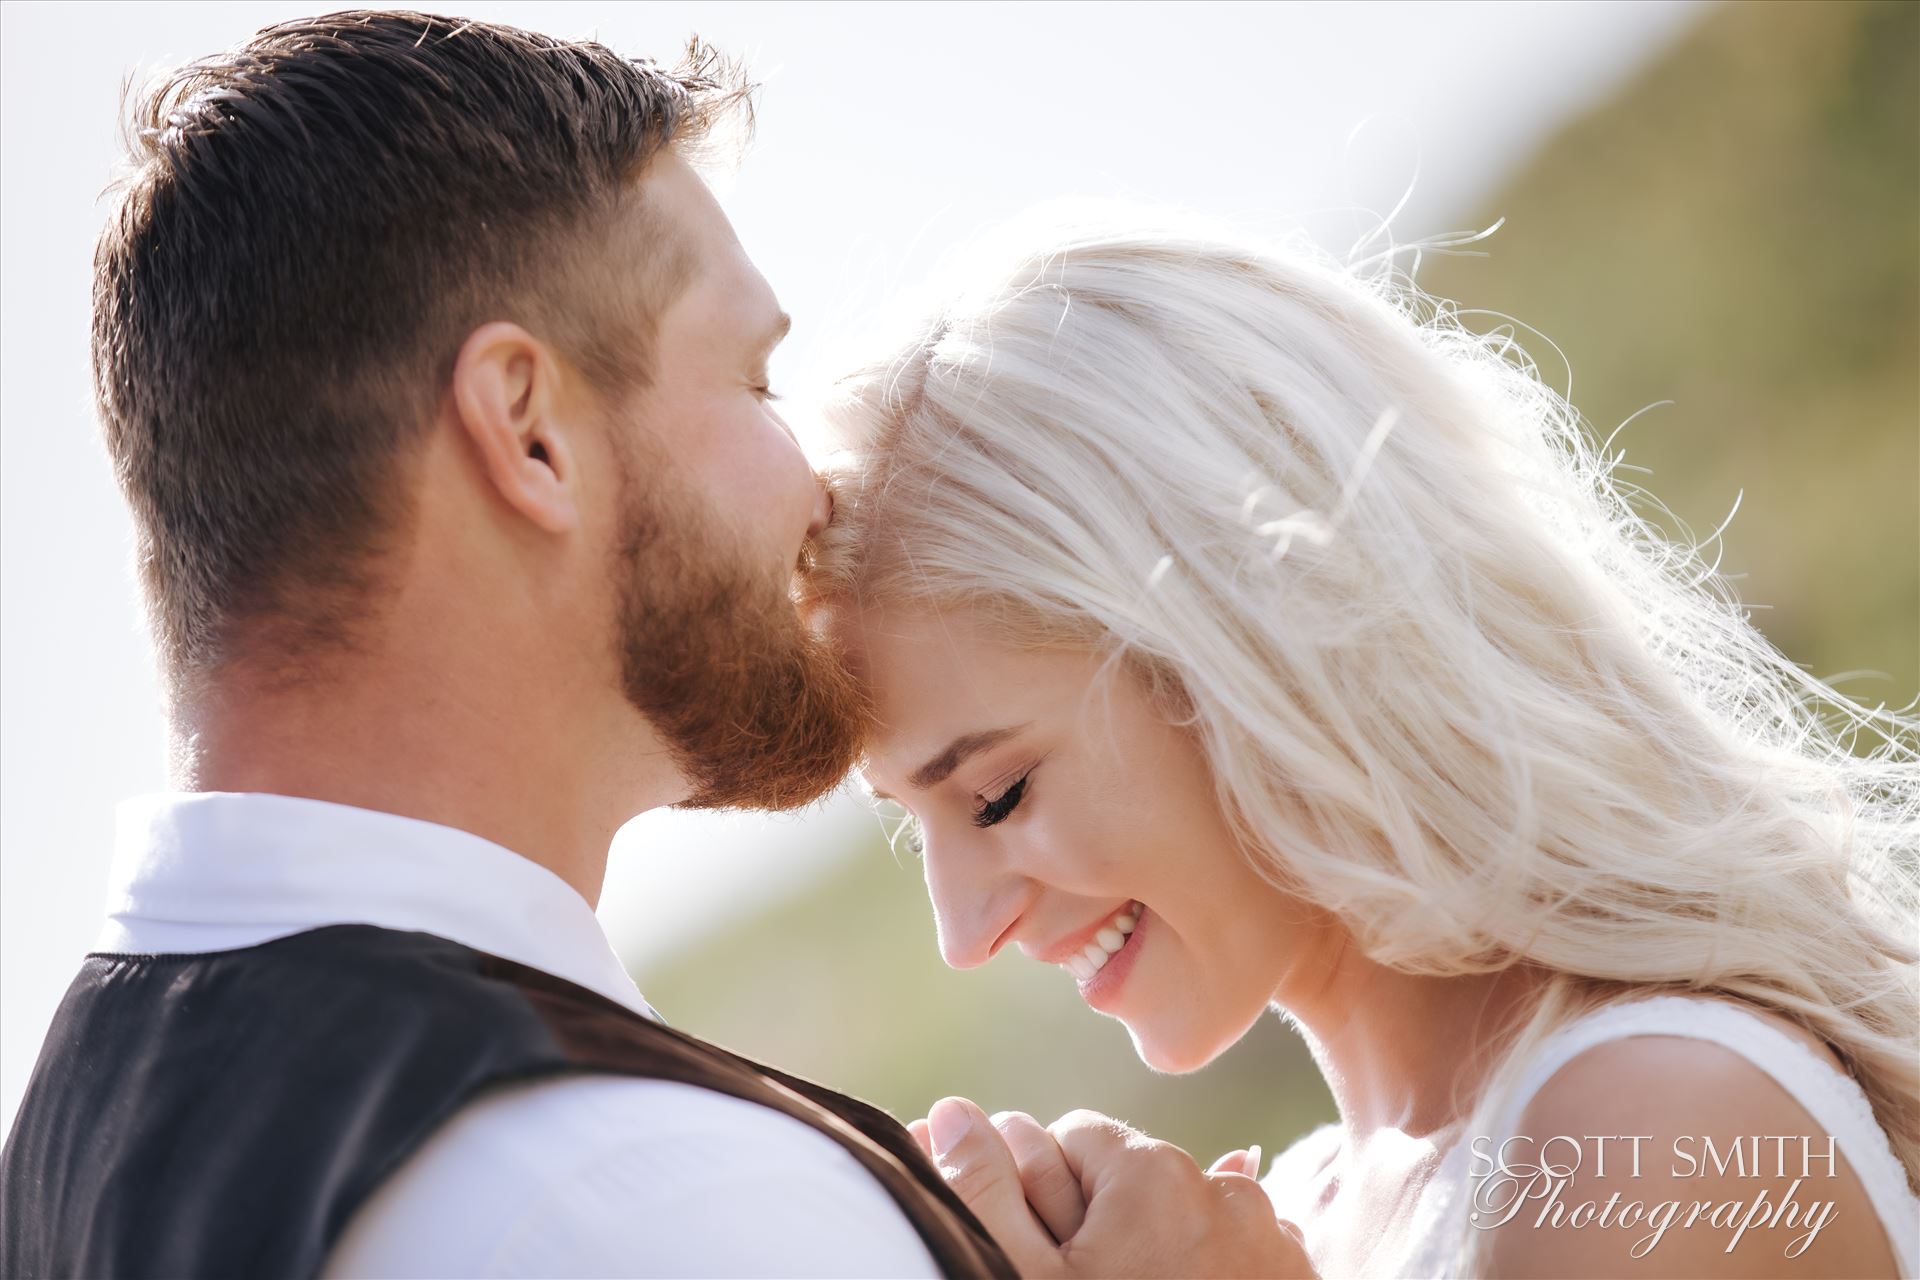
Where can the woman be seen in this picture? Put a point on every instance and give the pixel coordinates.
(1243, 633)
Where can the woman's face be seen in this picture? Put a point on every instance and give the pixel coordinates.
(1063, 813)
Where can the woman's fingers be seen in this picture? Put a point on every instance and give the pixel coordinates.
(1052, 1187)
(1232, 1162)
(1245, 1162)
(981, 1170)
(1098, 1146)
(1152, 1211)
(918, 1129)
(1128, 1205)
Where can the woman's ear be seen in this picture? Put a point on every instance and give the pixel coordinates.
(505, 389)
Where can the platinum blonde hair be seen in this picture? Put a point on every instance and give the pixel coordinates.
(1453, 686)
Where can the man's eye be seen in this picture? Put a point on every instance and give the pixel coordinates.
(997, 809)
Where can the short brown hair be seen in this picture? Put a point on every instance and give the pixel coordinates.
(316, 220)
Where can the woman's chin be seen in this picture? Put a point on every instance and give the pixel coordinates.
(1174, 1056)
(1180, 1051)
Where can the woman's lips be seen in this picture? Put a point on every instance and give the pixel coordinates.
(1095, 942)
(1102, 990)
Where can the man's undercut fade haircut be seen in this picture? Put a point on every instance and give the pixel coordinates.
(316, 221)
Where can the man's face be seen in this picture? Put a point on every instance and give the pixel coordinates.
(716, 501)
(708, 406)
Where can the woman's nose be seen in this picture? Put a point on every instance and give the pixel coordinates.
(975, 905)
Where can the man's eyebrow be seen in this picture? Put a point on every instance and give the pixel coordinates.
(941, 767)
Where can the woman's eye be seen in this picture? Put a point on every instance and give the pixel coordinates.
(997, 809)
(766, 393)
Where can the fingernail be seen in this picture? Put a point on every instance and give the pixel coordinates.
(1253, 1161)
(948, 1122)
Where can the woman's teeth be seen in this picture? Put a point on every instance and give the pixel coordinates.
(1112, 937)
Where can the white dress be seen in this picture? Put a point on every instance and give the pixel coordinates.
(1835, 1102)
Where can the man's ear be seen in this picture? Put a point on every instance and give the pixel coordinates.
(505, 390)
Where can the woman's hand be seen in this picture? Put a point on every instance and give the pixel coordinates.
(1088, 1196)
(1051, 1186)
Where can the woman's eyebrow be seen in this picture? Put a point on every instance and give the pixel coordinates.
(941, 767)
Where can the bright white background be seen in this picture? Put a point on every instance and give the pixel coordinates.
(888, 132)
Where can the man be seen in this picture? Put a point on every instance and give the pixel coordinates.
(436, 381)
(437, 384)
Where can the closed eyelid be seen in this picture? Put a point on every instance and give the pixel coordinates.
(1004, 783)
(991, 812)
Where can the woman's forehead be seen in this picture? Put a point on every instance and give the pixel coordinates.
(938, 676)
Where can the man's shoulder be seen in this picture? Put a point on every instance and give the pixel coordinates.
(554, 1124)
(606, 1167)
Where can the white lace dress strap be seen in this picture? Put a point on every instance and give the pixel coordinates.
(1835, 1101)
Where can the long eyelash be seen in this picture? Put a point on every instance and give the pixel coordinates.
(996, 810)
(768, 394)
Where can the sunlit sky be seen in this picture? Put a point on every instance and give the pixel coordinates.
(888, 133)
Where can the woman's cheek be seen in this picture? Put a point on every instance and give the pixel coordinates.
(1078, 848)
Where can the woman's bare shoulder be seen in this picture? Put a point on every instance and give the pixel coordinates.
(1651, 1119)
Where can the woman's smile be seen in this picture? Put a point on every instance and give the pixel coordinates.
(1102, 984)
(1097, 956)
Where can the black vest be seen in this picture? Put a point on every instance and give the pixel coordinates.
(225, 1113)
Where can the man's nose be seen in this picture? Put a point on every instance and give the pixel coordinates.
(822, 509)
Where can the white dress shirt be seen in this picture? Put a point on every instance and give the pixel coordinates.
(585, 1176)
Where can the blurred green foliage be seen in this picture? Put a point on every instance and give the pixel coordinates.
(1737, 231)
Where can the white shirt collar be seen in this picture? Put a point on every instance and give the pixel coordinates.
(218, 870)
